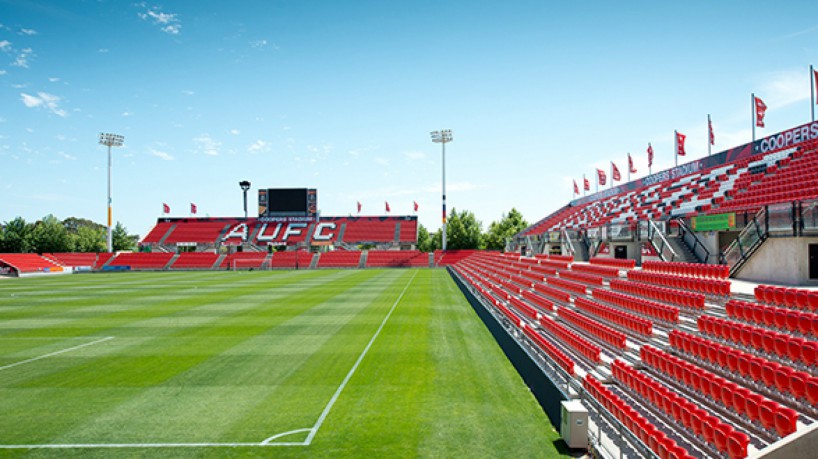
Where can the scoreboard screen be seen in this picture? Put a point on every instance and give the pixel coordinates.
(287, 202)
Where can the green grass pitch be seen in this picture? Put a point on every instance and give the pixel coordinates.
(322, 363)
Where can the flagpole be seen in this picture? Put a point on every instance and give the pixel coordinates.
(629, 166)
(676, 147)
(753, 113)
(596, 190)
(584, 191)
(611, 185)
(812, 84)
(709, 144)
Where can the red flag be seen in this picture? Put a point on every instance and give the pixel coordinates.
(761, 108)
(193, 208)
(600, 176)
(616, 176)
(680, 144)
(710, 129)
(359, 207)
(165, 208)
(576, 187)
(387, 206)
(416, 205)
(650, 155)
(586, 183)
(630, 164)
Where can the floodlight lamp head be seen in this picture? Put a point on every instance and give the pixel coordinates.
(245, 185)
(111, 140)
(442, 136)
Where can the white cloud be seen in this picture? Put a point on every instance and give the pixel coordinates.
(167, 22)
(382, 161)
(44, 100)
(54, 79)
(67, 156)
(161, 154)
(235, 131)
(3, 72)
(258, 44)
(784, 88)
(22, 59)
(259, 146)
(126, 113)
(415, 155)
(28, 31)
(207, 145)
(188, 92)
(103, 50)
(5, 46)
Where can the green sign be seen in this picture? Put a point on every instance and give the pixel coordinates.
(718, 222)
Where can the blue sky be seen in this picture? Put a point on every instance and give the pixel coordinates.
(342, 95)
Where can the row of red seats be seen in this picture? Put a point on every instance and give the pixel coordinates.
(622, 263)
(640, 305)
(538, 300)
(627, 320)
(687, 269)
(580, 344)
(706, 426)
(524, 307)
(586, 278)
(555, 264)
(559, 357)
(791, 320)
(604, 271)
(798, 384)
(773, 416)
(554, 353)
(195, 260)
(546, 270)
(613, 337)
(552, 292)
(771, 342)
(551, 257)
(703, 285)
(566, 284)
(789, 297)
(656, 440)
(666, 295)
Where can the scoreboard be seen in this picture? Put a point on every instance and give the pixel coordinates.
(288, 202)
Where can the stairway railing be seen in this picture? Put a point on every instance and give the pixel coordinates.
(693, 242)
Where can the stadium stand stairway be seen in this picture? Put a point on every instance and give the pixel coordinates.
(682, 250)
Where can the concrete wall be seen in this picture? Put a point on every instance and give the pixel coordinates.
(780, 261)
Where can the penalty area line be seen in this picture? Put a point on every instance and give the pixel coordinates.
(51, 354)
(325, 413)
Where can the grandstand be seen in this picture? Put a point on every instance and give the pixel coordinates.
(658, 303)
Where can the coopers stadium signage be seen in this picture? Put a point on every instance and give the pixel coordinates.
(786, 139)
(789, 138)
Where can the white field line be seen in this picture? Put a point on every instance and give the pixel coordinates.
(268, 442)
(51, 354)
(340, 389)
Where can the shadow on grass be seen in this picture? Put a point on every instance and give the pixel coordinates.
(565, 451)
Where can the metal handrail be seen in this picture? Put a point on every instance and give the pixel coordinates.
(569, 243)
(737, 253)
(696, 244)
(653, 231)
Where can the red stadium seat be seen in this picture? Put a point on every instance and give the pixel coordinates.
(786, 420)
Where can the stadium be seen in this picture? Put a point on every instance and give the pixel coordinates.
(648, 319)
(673, 315)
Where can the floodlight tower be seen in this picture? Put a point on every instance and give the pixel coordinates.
(110, 140)
(442, 137)
(245, 185)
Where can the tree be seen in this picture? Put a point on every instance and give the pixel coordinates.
(120, 238)
(463, 231)
(16, 237)
(426, 241)
(508, 226)
(49, 235)
(88, 239)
